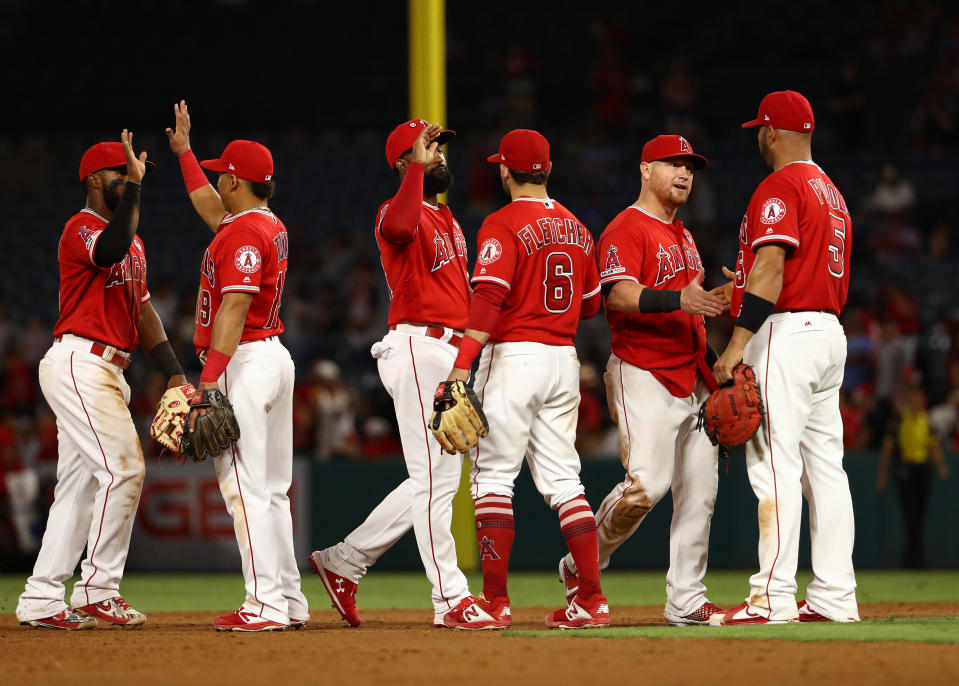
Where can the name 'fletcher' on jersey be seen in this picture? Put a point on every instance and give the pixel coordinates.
(555, 230)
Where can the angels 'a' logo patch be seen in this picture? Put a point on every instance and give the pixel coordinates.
(773, 210)
(248, 260)
(490, 251)
(613, 265)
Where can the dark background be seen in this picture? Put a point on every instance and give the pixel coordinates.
(322, 84)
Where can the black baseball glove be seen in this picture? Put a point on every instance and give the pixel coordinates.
(213, 432)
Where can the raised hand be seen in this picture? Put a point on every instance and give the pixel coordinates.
(136, 166)
(424, 147)
(694, 300)
(180, 135)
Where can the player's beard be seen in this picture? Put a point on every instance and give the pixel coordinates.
(764, 147)
(112, 194)
(439, 180)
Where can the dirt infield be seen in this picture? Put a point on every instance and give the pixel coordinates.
(400, 647)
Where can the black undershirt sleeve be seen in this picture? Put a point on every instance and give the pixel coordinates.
(117, 235)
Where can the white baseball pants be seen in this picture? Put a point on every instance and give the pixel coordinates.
(100, 475)
(530, 394)
(256, 474)
(799, 359)
(411, 365)
(661, 449)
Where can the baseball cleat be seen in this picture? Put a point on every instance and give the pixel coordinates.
(114, 610)
(461, 605)
(807, 614)
(742, 615)
(569, 579)
(68, 620)
(341, 590)
(582, 613)
(480, 614)
(244, 620)
(699, 616)
(298, 623)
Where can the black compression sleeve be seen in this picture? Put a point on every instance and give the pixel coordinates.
(651, 300)
(164, 358)
(118, 234)
(753, 312)
(711, 354)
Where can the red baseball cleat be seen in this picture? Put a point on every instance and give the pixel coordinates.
(114, 610)
(68, 620)
(807, 614)
(244, 620)
(298, 623)
(439, 620)
(341, 590)
(582, 613)
(480, 614)
(569, 579)
(699, 616)
(742, 615)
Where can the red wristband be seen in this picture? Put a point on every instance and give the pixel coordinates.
(469, 349)
(193, 175)
(216, 363)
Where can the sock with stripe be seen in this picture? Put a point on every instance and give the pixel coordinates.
(579, 529)
(494, 535)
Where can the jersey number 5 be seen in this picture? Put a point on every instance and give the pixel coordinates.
(558, 283)
(837, 246)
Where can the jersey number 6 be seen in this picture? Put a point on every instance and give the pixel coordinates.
(558, 283)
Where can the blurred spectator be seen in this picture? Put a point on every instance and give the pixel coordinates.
(19, 488)
(893, 195)
(893, 356)
(591, 426)
(860, 349)
(908, 445)
(847, 106)
(379, 441)
(19, 383)
(334, 411)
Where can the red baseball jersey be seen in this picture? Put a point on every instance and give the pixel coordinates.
(100, 303)
(247, 255)
(545, 257)
(637, 246)
(427, 277)
(799, 207)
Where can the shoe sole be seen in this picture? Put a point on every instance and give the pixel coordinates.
(40, 624)
(600, 625)
(491, 627)
(250, 631)
(320, 572)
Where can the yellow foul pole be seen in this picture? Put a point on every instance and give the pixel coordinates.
(427, 26)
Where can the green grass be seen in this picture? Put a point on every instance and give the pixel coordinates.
(410, 590)
(911, 629)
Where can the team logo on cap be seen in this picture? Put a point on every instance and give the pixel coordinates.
(490, 251)
(683, 145)
(248, 259)
(772, 211)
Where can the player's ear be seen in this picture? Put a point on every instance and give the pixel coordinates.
(401, 166)
(644, 170)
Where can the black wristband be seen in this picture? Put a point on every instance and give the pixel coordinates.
(753, 312)
(651, 300)
(164, 358)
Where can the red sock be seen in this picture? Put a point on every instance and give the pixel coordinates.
(494, 535)
(579, 529)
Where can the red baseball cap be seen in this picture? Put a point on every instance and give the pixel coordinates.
(247, 160)
(403, 136)
(104, 156)
(786, 110)
(670, 146)
(523, 150)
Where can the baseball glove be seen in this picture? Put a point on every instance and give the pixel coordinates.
(733, 412)
(458, 421)
(167, 427)
(213, 432)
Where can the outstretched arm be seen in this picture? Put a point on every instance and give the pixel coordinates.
(117, 235)
(206, 201)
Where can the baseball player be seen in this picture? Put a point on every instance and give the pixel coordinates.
(424, 259)
(105, 311)
(237, 333)
(791, 281)
(535, 278)
(657, 377)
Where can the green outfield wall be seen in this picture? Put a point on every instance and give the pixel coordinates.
(343, 493)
